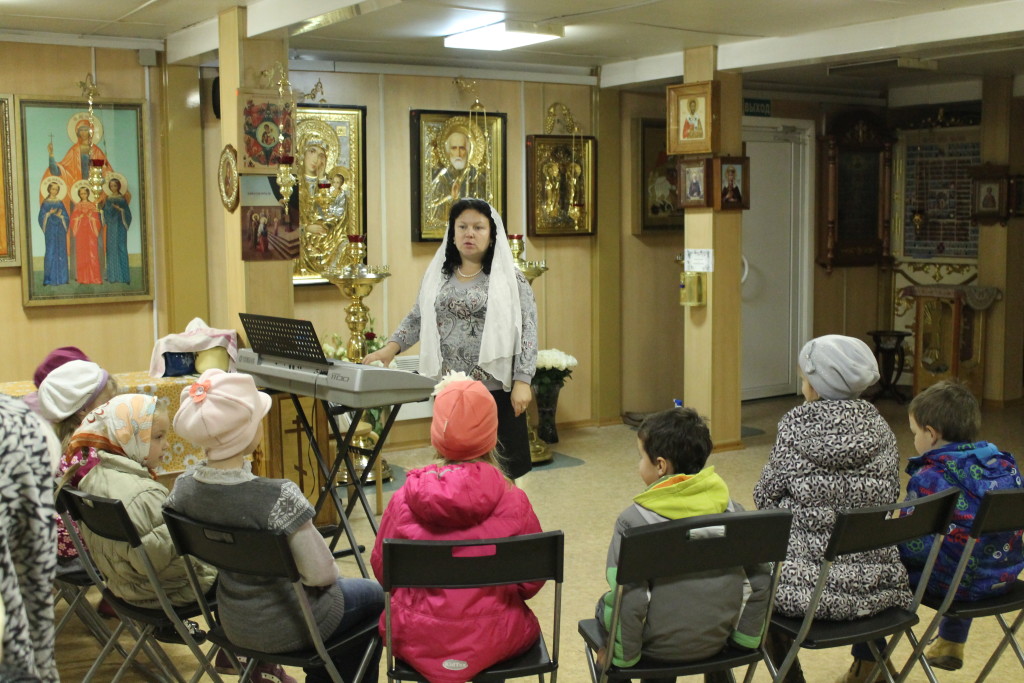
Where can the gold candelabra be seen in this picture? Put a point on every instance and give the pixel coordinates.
(539, 451)
(356, 281)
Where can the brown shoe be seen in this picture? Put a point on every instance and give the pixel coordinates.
(945, 654)
(861, 669)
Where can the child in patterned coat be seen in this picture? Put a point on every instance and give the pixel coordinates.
(833, 452)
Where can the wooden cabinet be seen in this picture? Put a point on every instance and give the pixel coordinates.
(949, 334)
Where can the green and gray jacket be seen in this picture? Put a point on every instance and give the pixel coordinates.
(684, 619)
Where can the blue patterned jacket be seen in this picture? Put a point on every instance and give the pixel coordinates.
(974, 468)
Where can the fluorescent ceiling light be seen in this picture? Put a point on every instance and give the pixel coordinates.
(504, 35)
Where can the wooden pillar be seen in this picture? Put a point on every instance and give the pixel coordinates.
(1000, 250)
(243, 286)
(712, 345)
(606, 392)
(183, 255)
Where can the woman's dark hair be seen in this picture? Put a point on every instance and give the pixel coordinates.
(452, 257)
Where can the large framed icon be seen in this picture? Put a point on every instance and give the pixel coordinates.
(83, 246)
(454, 155)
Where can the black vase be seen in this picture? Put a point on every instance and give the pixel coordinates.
(547, 404)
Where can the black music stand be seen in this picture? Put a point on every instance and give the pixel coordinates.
(296, 342)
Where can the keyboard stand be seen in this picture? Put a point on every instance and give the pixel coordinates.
(329, 490)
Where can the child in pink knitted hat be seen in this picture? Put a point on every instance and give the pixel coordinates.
(223, 413)
(451, 635)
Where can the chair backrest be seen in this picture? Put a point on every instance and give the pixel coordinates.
(863, 529)
(704, 543)
(1000, 511)
(255, 552)
(467, 564)
(104, 517)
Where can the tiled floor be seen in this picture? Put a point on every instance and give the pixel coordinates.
(594, 477)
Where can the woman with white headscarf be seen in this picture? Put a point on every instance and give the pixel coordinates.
(475, 313)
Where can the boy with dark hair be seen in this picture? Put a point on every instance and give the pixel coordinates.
(673, 620)
(945, 419)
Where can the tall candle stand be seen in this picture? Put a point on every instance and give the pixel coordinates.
(356, 281)
(539, 451)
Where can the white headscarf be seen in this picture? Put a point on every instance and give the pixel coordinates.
(503, 324)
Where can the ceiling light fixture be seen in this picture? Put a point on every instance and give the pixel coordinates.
(504, 35)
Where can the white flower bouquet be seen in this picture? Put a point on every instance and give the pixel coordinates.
(553, 368)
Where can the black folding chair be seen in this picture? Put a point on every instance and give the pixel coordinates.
(1000, 511)
(263, 553)
(708, 543)
(861, 530)
(108, 518)
(517, 559)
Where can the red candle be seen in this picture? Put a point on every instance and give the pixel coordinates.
(287, 159)
(515, 237)
(323, 184)
(97, 162)
(357, 238)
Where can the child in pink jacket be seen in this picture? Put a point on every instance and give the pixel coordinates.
(449, 636)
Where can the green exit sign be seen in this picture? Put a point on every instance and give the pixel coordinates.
(753, 107)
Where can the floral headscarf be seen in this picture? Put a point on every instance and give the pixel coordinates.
(123, 425)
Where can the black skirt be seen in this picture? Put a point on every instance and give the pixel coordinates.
(513, 438)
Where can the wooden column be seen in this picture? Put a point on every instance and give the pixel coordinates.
(1000, 250)
(183, 253)
(241, 286)
(712, 345)
(606, 392)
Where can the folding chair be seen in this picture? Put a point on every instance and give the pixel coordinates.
(108, 518)
(517, 559)
(857, 531)
(675, 549)
(1000, 511)
(258, 552)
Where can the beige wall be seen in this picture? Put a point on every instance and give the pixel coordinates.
(118, 336)
(648, 336)
(652, 319)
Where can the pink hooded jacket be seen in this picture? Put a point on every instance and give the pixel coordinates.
(451, 635)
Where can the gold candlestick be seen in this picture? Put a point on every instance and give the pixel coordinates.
(539, 451)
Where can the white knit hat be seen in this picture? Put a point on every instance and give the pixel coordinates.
(69, 388)
(838, 367)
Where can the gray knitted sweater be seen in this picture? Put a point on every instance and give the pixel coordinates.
(259, 613)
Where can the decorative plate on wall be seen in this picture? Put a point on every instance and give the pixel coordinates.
(227, 178)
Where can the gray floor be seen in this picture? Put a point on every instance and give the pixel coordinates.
(594, 477)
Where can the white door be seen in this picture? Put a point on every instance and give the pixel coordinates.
(776, 251)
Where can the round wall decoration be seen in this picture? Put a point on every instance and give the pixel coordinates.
(227, 178)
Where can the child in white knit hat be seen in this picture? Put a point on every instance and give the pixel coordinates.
(222, 412)
(833, 452)
(70, 391)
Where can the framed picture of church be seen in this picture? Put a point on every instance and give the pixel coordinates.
(85, 202)
(10, 251)
(561, 185)
(455, 154)
(692, 118)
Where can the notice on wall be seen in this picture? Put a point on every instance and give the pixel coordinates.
(699, 260)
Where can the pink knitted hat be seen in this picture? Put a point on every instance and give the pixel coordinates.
(465, 424)
(56, 358)
(221, 412)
